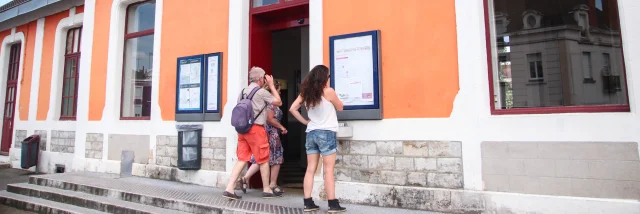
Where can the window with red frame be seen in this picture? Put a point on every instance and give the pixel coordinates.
(138, 61)
(542, 56)
(70, 76)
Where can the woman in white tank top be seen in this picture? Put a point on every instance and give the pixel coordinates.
(321, 102)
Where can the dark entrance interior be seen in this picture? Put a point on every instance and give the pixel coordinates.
(279, 43)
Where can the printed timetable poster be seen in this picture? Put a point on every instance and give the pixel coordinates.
(190, 85)
(354, 71)
(212, 82)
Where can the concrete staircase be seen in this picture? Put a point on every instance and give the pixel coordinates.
(85, 192)
(102, 193)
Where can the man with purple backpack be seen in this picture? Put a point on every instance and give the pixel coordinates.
(248, 118)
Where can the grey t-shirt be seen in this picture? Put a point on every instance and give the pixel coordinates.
(259, 101)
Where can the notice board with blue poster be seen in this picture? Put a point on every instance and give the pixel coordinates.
(355, 74)
(198, 88)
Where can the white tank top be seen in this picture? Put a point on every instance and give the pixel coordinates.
(323, 117)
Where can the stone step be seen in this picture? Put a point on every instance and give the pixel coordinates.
(104, 204)
(165, 197)
(40, 205)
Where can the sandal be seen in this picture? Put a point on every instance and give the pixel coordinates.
(277, 189)
(244, 185)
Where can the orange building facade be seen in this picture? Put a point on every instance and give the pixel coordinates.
(482, 105)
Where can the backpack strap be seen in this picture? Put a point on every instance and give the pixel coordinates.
(253, 92)
(265, 106)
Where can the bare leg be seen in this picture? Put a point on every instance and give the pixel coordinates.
(235, 173)
(312, 165)
(329, 163)
(251, 171)
(264, 173)
(275, 169)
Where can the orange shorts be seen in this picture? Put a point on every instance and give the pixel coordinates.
(253, 142)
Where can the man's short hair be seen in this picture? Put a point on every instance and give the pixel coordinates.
(255, 74)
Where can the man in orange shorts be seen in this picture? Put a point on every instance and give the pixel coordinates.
(255, 141)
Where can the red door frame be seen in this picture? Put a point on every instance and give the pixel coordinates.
(10, 97)
(262, 22)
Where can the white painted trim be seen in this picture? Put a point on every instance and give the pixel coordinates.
(57, 68)
(316, 41)
(35, 73)
(237, 72)
(84, 84)
(156, 111)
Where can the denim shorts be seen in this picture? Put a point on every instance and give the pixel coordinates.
(321, 142)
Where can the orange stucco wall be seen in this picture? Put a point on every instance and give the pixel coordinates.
(29, 31)
(50, 25)
(204, 30)
(98, 83)
(418, 48)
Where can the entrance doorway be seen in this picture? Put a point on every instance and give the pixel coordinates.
(10, 97)
(279, 43)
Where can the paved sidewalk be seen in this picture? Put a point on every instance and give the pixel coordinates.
(201, 194)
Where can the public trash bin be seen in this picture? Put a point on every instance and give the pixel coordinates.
(30, 148)
(189, 146)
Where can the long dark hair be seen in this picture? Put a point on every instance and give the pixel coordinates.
(312, 87)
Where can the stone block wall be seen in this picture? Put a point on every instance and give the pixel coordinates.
(436, 164)
(213, 152)
(43, 139)
(93, 145)
(582, 169)
(63, 141)
(19, 136)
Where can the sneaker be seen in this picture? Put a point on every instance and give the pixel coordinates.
(270, 195)
(231, 196)
(334, 206)
(309, 205)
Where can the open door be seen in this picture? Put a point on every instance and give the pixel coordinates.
(278, 43)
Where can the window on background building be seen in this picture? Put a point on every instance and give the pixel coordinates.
(545, 60)
(138, 61)
(70, 76)
(535, 67)
(586, 67)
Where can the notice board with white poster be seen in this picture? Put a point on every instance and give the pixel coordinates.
(198, 88)
(213, 87)
(355, 74)
(189, 85)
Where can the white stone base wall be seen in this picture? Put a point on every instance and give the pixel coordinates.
(94, 146)
(434, 164)
(213, 152)
(63, 141)
(19, 136)
(468, 201)
(43, 139)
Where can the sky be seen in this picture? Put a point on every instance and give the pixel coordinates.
(2, 2)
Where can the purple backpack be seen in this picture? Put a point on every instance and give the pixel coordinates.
(242, 115)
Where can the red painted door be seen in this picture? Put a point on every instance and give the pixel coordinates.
(10, 97)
